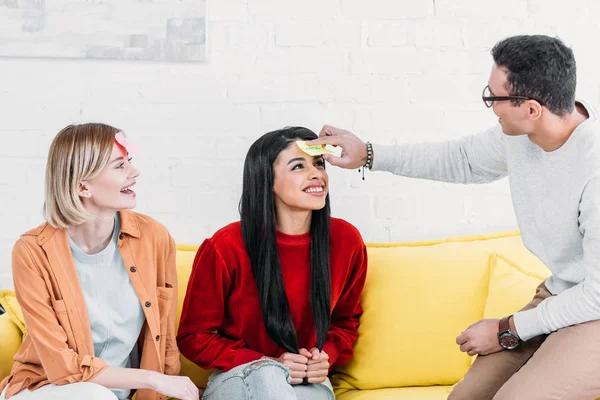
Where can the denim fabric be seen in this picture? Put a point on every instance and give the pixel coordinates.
(262, 380)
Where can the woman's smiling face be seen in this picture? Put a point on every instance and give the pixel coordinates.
(301, 182)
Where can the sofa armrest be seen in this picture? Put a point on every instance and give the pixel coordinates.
(10, 341)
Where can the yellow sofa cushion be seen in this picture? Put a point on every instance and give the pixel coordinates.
(418, 297)
(512, 286)
(10, 341)
(409, 393)
(185, 259)
(8, 301)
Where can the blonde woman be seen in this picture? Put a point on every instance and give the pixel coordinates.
(96, 282)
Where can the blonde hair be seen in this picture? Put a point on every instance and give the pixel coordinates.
(78, 153)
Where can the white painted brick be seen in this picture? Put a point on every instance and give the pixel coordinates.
(341, 182)
(291, 34)
(6, 279)
(389, 71)
(202, 176)
(164, 148)
(490, 202)
(310, 115)
(389, 33)
(189, 229)
(307, 10)
(155, 199)
(398, 207)
(168, 89)
(229, 61)
(234, 149)
(385, 9)
(389, 90)
(173, 117)
(363, 121)
(274, 88)
(343, 35)
(363, 89)
(473, 9)
(483, 33)
(458, 123)
(588, 86)
(557, 11)
(22, 173)
(155, 172)
(451, 90)
(301, 60)
(252, 37)
(18, 223)
(21, 144)
(454, 62)
(408, 121)
(436, 33)
(356, 208)
(48, 115)
(393, 61)
(576, 37)
(217, 37)
(43, 141)
(228, 10)
(6, 246)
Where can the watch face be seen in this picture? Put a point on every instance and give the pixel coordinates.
(508, 341)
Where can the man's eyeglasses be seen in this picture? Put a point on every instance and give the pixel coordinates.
(489, 99)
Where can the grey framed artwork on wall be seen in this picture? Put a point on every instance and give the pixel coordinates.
(143, 30)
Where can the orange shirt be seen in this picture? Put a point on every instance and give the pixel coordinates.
(58, 347)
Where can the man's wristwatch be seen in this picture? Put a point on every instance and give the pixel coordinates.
(507, 338)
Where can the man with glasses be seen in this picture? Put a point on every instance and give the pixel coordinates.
(548, 144)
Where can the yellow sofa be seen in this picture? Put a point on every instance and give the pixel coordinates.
(418, 298)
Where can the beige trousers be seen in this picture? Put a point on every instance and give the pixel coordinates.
(564, 365)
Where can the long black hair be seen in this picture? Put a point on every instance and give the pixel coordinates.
(259, 230)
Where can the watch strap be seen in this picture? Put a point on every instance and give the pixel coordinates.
(504, 325)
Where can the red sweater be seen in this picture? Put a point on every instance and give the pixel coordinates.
(221, 321)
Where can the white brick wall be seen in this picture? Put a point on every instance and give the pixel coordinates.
(392, 70)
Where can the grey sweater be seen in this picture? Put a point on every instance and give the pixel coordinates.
(556, 197)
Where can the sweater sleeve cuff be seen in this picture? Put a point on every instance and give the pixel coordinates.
(332, 351)
(383, 157)
(528, 324)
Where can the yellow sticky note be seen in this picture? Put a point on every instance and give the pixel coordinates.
(315, 150)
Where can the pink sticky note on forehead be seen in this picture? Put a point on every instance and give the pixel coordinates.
(122, 141)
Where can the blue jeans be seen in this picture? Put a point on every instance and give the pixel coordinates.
(262, 380)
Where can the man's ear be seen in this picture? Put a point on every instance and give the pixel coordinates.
(534, 110)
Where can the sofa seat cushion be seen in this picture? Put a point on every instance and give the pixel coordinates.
(408, 393)
(8, 301)
(185, 259)
(10, 341)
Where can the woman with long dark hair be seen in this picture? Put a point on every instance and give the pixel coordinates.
(273, 300)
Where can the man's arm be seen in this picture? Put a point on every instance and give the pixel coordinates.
(580, 303)
(479, 158)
